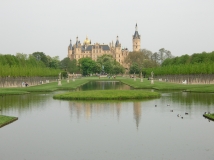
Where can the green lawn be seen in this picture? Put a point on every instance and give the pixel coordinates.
(4, 120)
(209, 116)
(160, 85)
(107, 95)
(49, 87)
(146, 84)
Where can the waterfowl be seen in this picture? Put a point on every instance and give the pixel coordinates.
(155, 105)
(171, 110)
(205, 112)
(186, 113)
(182, 117)
(178, 115)
(168, 105)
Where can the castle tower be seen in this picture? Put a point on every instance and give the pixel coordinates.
(136, 40)
(118, 50)
(70, 49)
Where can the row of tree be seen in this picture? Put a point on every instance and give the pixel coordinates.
(198, 63)
(196, 68)
(22, 65)
(203, 57)
(26, 65)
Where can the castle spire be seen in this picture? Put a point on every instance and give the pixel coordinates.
(70, 46)
(136, 27)
(77, 41)
(117, 42)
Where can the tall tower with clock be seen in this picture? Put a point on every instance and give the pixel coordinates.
(136, 40)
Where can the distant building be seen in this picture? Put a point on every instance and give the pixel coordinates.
(136, 40)
(87, 49)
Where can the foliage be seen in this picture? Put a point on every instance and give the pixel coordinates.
(69, 65)
(64, 74)
(194, 58)
(137, 61)
(196, 68)
(198, 63)
(23, 65)
(111, 66)
(87, 66)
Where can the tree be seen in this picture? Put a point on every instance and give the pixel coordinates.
(54, 62)
(134, 69)
(156, 58)
(70, 66)
(87, 66)
(111, 66)
(41, 56)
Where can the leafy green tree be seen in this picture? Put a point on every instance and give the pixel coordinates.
(111, 66)
(87, 66)
(40, 56)
(69, 65)
(134, 69)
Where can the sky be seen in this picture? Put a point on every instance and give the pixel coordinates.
(180, 26)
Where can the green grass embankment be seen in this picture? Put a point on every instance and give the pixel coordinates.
(107, 95)
(49, 87)
(209, 116)
(4, 120)
(160, 85)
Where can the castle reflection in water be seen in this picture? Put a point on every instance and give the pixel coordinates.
(86, 110)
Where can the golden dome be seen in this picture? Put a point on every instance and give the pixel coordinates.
(87, 41)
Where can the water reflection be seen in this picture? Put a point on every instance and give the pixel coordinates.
(89, 109)
(137, 112)
(104, 85)
(188, 100)
(23, 103)
(107, 129)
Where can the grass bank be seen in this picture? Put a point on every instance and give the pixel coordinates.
(160, 85)
(4, 120)
(49, 87)
(209, 116)
(146, 84)
(107, 95)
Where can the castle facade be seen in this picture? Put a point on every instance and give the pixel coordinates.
(87, 49)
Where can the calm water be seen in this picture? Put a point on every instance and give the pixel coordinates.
(50, 129)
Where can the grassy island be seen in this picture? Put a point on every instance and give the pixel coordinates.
(4, 120)
(107, 95)
(209, 116)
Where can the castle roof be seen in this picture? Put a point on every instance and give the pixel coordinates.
(117, 42)
(89, 47)
(136, 34)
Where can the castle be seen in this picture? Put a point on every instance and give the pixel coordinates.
(78, 50)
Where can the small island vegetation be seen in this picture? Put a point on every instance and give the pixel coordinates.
(209, 116)
(4, 120)
(107, 95)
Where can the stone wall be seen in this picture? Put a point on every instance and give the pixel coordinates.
(189, 79)
(31, 81)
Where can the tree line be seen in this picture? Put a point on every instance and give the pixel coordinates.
(23, 65)
(197, 63)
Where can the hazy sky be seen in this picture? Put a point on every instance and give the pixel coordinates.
(181, 26)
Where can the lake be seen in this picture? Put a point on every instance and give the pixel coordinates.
(107, 130)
